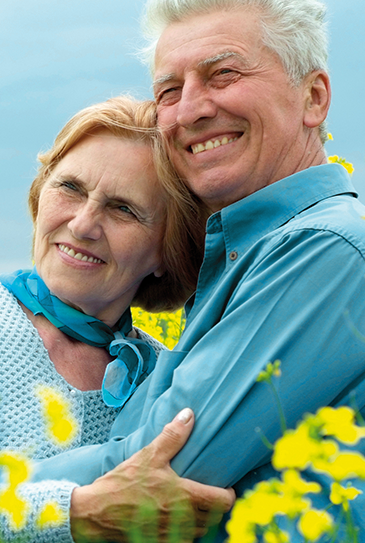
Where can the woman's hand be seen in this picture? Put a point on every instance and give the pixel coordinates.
(144, 495)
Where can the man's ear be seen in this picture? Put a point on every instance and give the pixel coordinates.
(317, 90)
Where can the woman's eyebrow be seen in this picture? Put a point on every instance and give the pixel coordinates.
(68, 177)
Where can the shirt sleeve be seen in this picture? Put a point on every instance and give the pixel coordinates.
(300, 302)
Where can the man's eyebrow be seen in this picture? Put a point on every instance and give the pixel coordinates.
(203, 64)
(163, 79)
(222, 56)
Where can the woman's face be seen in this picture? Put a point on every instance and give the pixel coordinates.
(100, 225)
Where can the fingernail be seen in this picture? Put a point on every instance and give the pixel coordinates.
(185, 415)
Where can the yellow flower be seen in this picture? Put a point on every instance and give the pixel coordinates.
(165, 327)
(276, 536)
(341, 495)
(340, 423)
(343, 465)
(293, 506)
(18, 471)
(339, 160)
(294, 485)
(61, 424)
(239, 529)
(18, 466)
(50, 515)
(272, 370)
(297, 448)
(314, 523)
(329, 136)
(14, 507)
(292, 489)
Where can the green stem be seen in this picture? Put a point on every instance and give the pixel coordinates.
(264, 439)
(350, 527)
(280, 409)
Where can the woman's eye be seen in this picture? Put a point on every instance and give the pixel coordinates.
(126, 209)
(68, 185)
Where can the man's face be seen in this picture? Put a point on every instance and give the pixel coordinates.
(233, 119)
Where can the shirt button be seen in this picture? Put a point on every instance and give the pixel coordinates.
(233, 255)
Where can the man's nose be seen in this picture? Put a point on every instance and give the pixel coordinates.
(195, 104)
(86, 223)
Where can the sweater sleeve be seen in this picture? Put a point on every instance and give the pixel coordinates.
(37, 496)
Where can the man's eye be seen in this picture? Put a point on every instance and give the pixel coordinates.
(168, 95)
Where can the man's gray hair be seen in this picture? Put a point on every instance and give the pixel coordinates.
(293, 29)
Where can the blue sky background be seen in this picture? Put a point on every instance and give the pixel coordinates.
(58, 57)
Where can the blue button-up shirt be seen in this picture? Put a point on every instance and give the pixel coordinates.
(283, 278)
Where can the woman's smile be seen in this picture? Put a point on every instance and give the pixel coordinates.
(80, 255)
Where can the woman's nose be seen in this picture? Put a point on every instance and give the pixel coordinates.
(195, 104)
(86, 223)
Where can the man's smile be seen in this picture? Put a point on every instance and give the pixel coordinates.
(212, 144)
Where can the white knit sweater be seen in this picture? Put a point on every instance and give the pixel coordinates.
(25, 365)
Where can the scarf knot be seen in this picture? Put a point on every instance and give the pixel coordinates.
(134, 362)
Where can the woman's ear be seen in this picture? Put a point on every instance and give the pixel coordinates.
(159, 272)
(317, 98)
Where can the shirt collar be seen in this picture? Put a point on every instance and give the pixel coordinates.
(247, 220)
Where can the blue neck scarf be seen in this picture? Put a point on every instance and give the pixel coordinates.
(134, 359)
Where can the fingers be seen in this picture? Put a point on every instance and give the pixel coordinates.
(172, 438)
(205, 498)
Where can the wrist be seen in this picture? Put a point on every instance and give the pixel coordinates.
(79, 512)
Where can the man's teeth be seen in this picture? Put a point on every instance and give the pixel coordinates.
(79, 256)
(210, 144)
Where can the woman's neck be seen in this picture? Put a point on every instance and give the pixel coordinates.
(81, 365)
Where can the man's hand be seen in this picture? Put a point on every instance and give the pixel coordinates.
(144, 495)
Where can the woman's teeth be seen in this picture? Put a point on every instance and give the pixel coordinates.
(210, 144)
(78, 256)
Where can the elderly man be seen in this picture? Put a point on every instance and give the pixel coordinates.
(242, 93)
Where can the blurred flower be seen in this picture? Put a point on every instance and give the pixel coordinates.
(165, 327)
(314, 523)
(276, 536)
(50, 515)
(329, 136)
(239, 528)
(297, 448)
(339, 160)
(61, 424)
(340, 423)
(341, 495)
(272, 370)
(343, 465)
(294, 485)
(18, 470)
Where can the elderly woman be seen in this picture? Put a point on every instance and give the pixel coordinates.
(112, 226)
